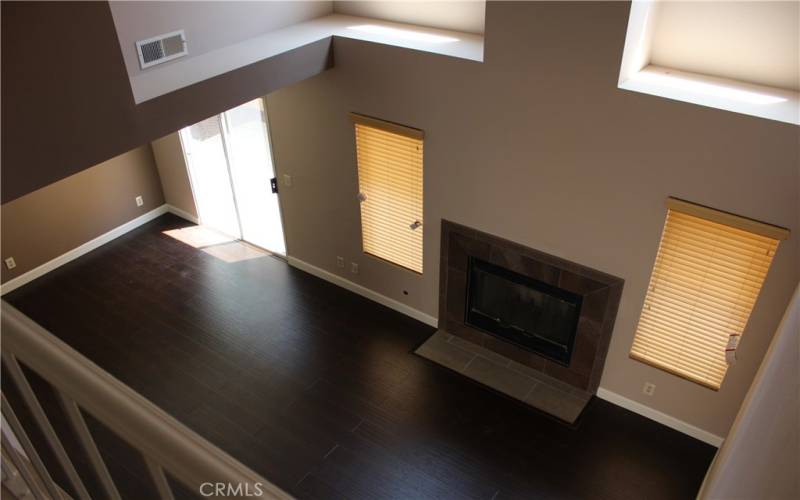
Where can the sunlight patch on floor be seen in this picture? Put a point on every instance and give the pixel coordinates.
(216, 244)
(198, 236)
(235, 252)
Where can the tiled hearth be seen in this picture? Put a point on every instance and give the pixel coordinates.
(505, 375)
(516, 371)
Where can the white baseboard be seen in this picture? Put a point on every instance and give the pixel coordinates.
(661, 418)
(363, 291)
(87, 247)
(183, 214)
(603, 393)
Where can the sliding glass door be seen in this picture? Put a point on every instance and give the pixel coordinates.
(231, 170)
(251, 170)
(207, 162)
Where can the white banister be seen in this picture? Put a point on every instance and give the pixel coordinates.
(166, 445)
(89, 446)
(30, 450)
(44, 425)
(12, 478)
(17, 476)
(160, 480)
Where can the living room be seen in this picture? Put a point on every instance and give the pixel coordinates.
(535, 150)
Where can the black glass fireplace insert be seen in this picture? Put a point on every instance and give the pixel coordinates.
(526, 312)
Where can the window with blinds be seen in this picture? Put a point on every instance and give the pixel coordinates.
(707, 275)
(390, 190)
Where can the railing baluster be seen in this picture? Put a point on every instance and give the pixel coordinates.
(79, 426)
(169, 447)
(45, 426)
(159, 479)
(30, 450)
(13, 464)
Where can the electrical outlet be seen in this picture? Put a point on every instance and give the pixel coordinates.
(649, 388)
(139, 201)
(10, 263)
(354, 267)
(340, 262)
(287, 180)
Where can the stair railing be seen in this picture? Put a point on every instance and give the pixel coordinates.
(166, 445)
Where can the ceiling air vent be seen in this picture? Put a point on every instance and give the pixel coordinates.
(161, 48)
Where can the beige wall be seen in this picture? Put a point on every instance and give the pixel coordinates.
(761, 456)
(57, 218)
(538, 145)
(171, 165)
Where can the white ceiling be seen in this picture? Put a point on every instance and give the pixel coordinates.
(222, 36)
(756, 42)
(456, 15)
(208, 25)
(213, 25)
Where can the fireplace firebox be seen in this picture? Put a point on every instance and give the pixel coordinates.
(529, 313)
(539, 311)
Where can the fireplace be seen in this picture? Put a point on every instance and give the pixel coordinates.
(537, 310)
(524, 311)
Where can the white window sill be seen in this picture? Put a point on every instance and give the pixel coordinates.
(730, 95)
(181, 73)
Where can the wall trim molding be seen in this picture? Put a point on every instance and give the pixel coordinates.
(363, 291)
(183, 214)
(603, 393)
(83, 249)
(661, 418)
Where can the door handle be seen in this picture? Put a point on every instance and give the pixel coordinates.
(273, 185)
(416, 224)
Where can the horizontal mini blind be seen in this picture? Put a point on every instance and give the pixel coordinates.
(705, 281)
(390, 190)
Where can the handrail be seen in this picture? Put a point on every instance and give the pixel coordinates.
(166, 444)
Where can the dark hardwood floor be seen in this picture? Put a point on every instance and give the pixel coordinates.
(317, 389)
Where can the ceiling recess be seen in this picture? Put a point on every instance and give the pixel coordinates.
(737, 56)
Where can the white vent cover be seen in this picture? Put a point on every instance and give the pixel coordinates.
(161, 48)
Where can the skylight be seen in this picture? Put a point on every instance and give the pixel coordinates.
(737, 56)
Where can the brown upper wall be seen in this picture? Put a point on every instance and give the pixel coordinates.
(67, 102)
(64, 215)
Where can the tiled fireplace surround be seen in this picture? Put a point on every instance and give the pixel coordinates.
(601, 294)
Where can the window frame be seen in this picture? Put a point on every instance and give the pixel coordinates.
(660, 271)
(407, 132)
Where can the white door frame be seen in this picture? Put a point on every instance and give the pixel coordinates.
(223, 125)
